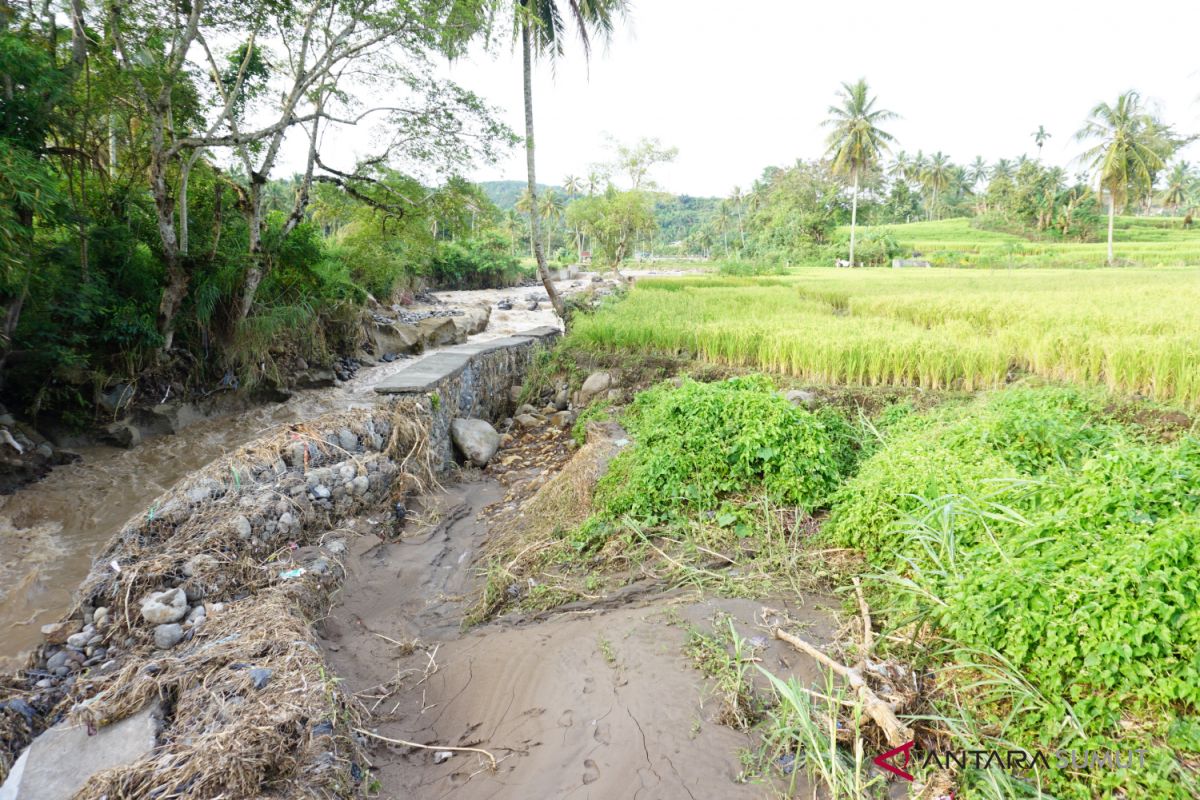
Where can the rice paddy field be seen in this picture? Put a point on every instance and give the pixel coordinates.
(1145, 241)
(1133, 331)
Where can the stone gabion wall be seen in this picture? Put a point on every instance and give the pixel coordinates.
(480, 390)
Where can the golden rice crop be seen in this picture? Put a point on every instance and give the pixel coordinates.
(1132, 330)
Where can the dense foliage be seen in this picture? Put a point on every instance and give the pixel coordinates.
(701, 446)
(1031, 525)
(140, 232)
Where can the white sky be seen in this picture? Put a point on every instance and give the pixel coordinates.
(740, 86)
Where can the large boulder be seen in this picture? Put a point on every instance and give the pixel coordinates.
(393, 337)
(122, 434)
(475, 439)
(439, 331)
(473, 320)
(596, 384)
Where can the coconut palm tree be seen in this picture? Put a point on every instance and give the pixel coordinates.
(1039, 138)
(592, 183)
(1179, 181)
(738, 199)
(541, 28)
(900, 167)
(978, 172)
(550, 208)
(936, 177)
(1003, 170)
(572, 186)
(856, 141)
(1128, 151)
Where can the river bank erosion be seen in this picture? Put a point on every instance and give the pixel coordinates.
(286, 618)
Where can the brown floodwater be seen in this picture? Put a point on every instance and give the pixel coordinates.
(51, 530)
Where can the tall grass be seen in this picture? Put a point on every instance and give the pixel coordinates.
(1133, 331)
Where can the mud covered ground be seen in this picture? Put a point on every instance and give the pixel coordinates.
(594, 702)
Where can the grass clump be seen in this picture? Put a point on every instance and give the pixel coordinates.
(697, 445)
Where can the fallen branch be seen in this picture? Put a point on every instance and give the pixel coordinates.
(866, 621)
(404, 743)
(896, 732)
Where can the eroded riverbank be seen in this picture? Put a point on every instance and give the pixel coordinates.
(52, 529)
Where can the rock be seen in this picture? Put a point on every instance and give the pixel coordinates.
(79, 640)
(548, 410)
(360, 485)
(117, 398)
(241, 527)
(286, 520)
(527, 420)
(473, 320)
(504, 305)
(39, 773)
(347, 440)
(514, 393)
(122, 434)
(164, 607)
(317, 378)
(197, 614)
(476, 439)
(57, 660)
(170, 417)
(799, 397)
(563, 419)
(562, 398)
(394, 337)
(439, 331)
(100, 617)
(595, 384)
(442, 756)
(321, 492)
(532, 305)
(260, 677)
(59, 632)
(526, 409)
(167, 636)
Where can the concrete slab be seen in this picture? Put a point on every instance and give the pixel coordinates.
(428, 372)
(64, 758)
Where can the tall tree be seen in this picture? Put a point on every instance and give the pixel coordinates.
(856, 141)
(1039, 138)
(936, 178)
(977, 173)
(541, 26)
(1129, 150)
(1179, 181)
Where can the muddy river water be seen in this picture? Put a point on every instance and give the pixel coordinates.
(51, 530)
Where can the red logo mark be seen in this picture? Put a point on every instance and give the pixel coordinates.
(881, 760)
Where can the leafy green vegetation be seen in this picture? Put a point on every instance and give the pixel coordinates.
(699, 445)
(1030, 528)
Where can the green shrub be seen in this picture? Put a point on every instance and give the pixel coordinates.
(698, 445)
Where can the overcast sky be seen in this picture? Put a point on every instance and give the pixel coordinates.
(740, 86)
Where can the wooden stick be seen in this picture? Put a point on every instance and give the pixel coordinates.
(866, 621)
(404, 743)
(896, 732)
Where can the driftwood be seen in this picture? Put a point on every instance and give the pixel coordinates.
(879, 710)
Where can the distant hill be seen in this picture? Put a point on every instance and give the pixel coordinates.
(506, 193)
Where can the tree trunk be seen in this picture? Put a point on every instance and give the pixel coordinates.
(1111, 213)
(534, 224)
(853, 217)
